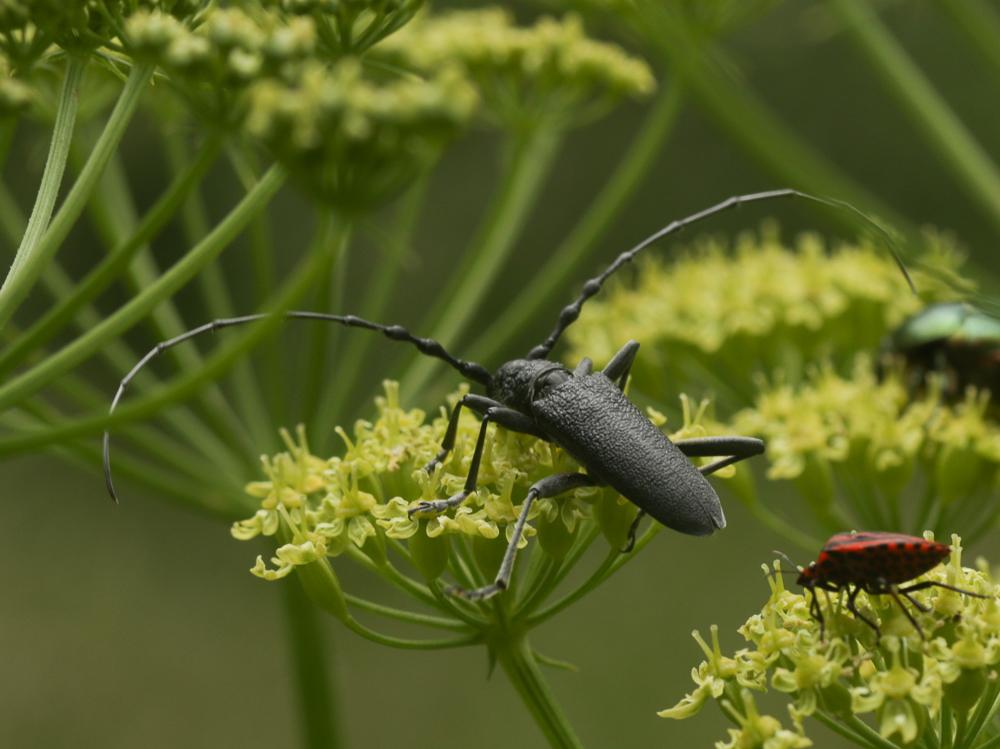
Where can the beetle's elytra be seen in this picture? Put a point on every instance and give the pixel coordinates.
(583, 411)
(875, 562)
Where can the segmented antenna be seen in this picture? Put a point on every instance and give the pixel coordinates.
(571, 312)
(428, 346)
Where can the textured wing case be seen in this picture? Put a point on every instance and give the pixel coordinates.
(594, 422)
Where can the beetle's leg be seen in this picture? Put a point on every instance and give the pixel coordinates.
(478, 403)
(505, 417)
(585, 367)
(891, 590)
(549, 486)
(621, 364)
(632, 531)
(734, 448)
(853, 608)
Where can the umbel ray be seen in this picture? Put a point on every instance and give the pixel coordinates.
(583, 411)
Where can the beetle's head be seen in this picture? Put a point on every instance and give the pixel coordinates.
(521, 381)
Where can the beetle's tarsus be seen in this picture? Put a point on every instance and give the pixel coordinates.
(633, 530)
(437, 506)
(477, 594)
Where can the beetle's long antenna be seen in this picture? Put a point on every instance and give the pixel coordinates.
(428, 346)
(571, 312)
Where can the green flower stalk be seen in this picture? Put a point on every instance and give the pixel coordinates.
(355, 506)
(897, 690)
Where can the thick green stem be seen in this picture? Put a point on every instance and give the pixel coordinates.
(316, 696)
(121, 359)
(943, 130)
(218, 302)
(69, 356)
(378, 293)
(981, 24)
(111, 266)
(24, 274)
(834, 725)
(594, 223)
(530, 158)
(55, 165)
(518, 662)
(113, 213)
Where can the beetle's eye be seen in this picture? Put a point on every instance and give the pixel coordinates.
(550, 379)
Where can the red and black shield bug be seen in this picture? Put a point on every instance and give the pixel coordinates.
(877, 563)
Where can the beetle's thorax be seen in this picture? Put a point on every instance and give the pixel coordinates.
(519, 382)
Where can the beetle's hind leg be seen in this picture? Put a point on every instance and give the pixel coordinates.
(734, 448)
(549, 486)
(505, 417)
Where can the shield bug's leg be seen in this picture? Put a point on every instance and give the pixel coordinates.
(549, 486)
(933, 584)
(852, 606)
(478, 403)
(505, 417)
(816, 611)
(891, 590)
(621, 364)
(916, 604)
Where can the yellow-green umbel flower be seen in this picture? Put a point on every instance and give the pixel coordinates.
(864, 453)
(354, 140)
(937, 691)
(550, 72)
(717, 318)
(356, 505)
(213, 63)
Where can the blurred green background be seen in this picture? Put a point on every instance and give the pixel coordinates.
(139, 625)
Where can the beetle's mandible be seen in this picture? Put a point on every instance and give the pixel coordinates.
(582, 410)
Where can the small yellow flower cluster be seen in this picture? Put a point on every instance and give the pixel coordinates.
(907, 682)
(213, 62)
(717, 317)
(355, 140)
(831, 429)
(548, 70)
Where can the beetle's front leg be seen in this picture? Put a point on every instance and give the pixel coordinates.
(549, 486)
(505, 417)
(478, 403)
(618, 368)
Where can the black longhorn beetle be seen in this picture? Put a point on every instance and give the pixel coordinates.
(582, 411)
